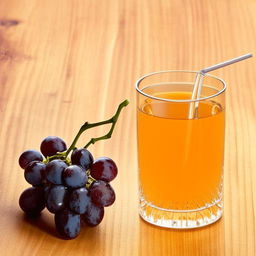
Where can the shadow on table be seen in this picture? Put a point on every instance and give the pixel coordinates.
(40, 222)
(207, 240)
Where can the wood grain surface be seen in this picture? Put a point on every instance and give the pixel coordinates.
(64, 62)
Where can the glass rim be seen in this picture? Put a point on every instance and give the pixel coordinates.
(172, 100)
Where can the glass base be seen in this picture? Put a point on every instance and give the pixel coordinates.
(180, 219)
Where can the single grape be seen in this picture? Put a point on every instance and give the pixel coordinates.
(28, 156)
(51, 145)
(67, 223)
(82, 157)
(74, 176)
(93, 215)
(54, 170)
(32, 200)
(104, 169)
(34, 173)
(102, 194)
(79, 200)
(56, 198)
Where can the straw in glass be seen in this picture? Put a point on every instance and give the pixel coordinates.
(196, 94)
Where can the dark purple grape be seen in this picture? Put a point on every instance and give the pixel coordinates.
(74, 176)
(67, 223)
(51, 145)
(102, 194)
(93, 215)
(82, 157)
(79, 200)
(28, 156)
(34, 173)
(56, 198)
(104, 169)
(54, 170)
(32, 200)
(46, 190)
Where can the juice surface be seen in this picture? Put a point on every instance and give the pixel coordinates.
(180, 160)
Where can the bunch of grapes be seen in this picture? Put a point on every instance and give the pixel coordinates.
(74, 189)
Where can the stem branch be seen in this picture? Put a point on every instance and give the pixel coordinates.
(88, 125)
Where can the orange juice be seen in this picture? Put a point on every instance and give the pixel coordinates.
(180, 160)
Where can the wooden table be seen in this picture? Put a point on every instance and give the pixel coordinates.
(64, 62)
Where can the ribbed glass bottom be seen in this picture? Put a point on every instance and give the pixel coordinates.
(180, 219)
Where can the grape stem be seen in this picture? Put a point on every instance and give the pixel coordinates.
(88, 125)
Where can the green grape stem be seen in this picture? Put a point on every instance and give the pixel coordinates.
(88, 125)
(63, 155)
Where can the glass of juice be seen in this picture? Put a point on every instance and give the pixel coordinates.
(180, 158)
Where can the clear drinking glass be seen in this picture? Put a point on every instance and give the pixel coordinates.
(180, 158)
